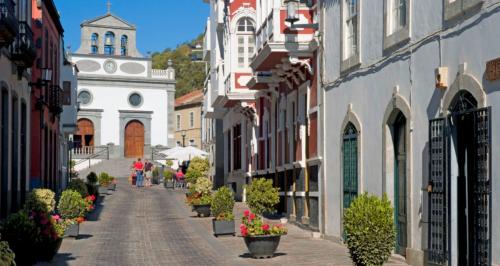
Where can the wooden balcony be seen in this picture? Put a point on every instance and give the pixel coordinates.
(23, 51)
(8, 22)
(55, 100)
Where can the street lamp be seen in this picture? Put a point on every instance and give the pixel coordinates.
(183, 134)
(292, 8)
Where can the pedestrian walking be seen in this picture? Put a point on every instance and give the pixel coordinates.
(132, 177)
(179, 177)
(139, 172)
(148, 170)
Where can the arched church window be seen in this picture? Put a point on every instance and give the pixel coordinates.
(94, 43)
(109, 43)
(246, 42)
(84, 97)
(124, 45)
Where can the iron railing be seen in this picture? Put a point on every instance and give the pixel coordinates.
(9, 27)
(23, 50)
(87, 154)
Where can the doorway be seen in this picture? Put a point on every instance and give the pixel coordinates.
(400, 155)
(134, 139)
(85, 134)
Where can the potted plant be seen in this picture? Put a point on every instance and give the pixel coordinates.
(104, 182)
(369, 222)
(168, 178)
(7, 256)
(198, 167)
(202, 198)
(21, 233)
(112, 183)
(261, 239)
(71, 207)
(222, 210)
(41, 200)
(156, 176)
(52, 230)
(79, 186)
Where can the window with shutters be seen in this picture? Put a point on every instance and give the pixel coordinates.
(396, 22)
(350, 34)
(350, 165)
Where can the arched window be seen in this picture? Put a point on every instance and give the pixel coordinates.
(350, 164)
(246, 42)
(124, 45)
(109, 43)
(94, 43)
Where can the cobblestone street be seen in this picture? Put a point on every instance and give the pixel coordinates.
(154, 227)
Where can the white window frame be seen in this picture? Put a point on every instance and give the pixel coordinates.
(350, 52)
(394, 32)
(456, 9)
(191, 119)
(246, 48)
(178, 122)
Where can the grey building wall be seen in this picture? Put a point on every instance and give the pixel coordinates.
(463, 45)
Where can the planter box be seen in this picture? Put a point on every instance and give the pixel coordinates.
(168, 184)
(112, 187)
(223, 227)
(73, 230)
(262, 247)
(103, 190)
(202, 210)
(47, 251)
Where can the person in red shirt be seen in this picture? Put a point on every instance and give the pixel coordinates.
(139, 171)
(180, 178)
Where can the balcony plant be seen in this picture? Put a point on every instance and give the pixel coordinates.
(222, 209)
(202, 196)
(79, 186)
(71, 207)
(41, 200)
(104, 181)
(369, 228)
(262, 239)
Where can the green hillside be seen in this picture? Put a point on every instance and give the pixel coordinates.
(190, 74)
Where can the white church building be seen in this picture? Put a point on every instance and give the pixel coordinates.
(125, 105)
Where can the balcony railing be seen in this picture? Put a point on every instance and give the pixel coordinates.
(23, 49)
(8, 22)
(55, 99)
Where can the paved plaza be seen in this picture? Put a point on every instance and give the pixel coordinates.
(154, 227)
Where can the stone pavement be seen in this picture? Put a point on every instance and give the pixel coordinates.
(153, 226)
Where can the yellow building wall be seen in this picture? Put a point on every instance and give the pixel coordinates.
(192, 132)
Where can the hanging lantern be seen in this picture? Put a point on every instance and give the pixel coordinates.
(292, 8)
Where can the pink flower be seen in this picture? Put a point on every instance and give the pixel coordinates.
(242, 226)
(265, 227)
(56, 217)
(246, 213)
(252, 216)
(244, 232)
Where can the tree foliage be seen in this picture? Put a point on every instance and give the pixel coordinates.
(190, 74)
(369, 230)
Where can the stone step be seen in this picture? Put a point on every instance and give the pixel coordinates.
(114, 167)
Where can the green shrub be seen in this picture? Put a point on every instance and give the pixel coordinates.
(169, 163)
(92, 189)
(203, 186)
(104, 179)
(369, 230)
(203, 200)
(168, 174)
(262, 197)
(6, 255)
(92, 178)
(79, 186)
(41, 200)
(222, 204)
(198, 167)
(71, 205)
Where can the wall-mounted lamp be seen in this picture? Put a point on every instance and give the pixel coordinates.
(292, 10)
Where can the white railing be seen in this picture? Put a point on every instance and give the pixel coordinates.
(86, 150)
(161, 74)
(266, 29)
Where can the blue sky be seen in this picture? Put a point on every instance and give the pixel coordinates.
(160, 23)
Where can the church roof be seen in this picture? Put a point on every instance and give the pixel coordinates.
(190, 98)
(108, 20)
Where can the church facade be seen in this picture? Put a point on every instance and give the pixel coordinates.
(125, 104)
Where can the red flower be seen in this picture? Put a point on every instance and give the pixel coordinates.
(252, 216)
(265, 227)
(244, 232)
(242, 226)
(246, 213)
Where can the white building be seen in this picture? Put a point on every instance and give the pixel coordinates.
(125, 104)
(410, 104)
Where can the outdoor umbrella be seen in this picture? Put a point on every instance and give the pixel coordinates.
(184, 153)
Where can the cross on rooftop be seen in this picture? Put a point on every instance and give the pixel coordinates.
(108, 6)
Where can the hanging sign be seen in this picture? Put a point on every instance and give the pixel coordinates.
(493, 69)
